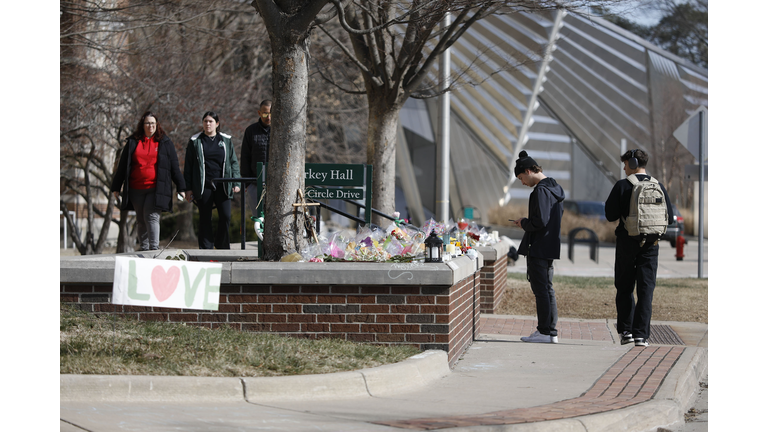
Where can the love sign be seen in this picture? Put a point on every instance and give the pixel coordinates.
(166, 283)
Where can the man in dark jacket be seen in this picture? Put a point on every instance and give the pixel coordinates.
(637, 259)
(256, 149)
(541, 243)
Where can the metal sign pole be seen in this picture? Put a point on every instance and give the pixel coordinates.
(261, 176)
(685, 134)
(443, 153)
(701, 195)
(242, 216)
(368, 193)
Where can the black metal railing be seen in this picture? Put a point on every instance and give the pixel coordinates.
(248, 180)
(380, 213)
(242, 181)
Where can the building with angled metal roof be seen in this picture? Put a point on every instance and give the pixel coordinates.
(580, 89)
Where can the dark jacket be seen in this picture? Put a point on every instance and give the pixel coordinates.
(167, 170)
(255, 148)
(542, 226)
(194, 165)
(617, 204)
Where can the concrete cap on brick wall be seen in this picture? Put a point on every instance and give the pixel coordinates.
(101, 269)
(494, 252)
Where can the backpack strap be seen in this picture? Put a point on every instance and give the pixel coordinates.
(634, 180)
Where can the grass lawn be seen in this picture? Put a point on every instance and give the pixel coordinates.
(683, 299)
(91, 344)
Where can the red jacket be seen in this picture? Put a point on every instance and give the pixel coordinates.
(167, 172)
(143, 161)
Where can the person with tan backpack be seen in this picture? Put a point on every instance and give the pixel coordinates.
(642, 206)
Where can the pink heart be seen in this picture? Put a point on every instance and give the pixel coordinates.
(164, 283)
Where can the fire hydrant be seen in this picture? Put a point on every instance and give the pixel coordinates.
(679, 244)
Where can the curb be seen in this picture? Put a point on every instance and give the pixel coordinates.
(410, 374)
(144, 388)
(666, 409)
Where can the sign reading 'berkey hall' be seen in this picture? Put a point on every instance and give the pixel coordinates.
(333, 175)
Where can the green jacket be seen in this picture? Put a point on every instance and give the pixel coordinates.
(194, 165)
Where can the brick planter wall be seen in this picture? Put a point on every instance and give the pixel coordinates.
(426, 315)
(492, 278)
(463, 317)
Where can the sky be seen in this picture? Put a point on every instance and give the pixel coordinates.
(641, 11)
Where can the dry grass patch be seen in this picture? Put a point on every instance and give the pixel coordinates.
(683, 300)
(603, 229)
(91, 344)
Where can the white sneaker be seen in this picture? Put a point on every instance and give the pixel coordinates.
(537, 337)
(553, 339)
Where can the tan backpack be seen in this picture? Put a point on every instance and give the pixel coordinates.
(647, 208)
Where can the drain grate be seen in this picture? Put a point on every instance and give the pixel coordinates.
(662, 334)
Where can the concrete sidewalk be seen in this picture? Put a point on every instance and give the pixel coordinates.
(587, 382)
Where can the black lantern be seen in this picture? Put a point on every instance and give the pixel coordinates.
(434, 249)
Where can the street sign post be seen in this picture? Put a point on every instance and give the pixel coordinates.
(693, 135)
(692, 172)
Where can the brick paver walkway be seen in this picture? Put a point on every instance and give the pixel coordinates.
(633, 379)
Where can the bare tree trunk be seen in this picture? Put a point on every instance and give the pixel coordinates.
(285, 176)
(74, 230)
(104, 232)
(124, 241)
(288, 24)
(185, 222)
(382, 144)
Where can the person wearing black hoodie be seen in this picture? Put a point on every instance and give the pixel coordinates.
(256, 149)
(541, 243)
(637, 259)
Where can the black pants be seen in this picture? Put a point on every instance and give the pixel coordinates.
(205, 236)
(540, 273)
(635, 264)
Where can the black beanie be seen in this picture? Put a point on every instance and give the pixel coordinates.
(524, 162)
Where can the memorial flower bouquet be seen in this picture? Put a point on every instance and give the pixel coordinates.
(395, 244)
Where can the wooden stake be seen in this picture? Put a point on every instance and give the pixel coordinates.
(304, 205)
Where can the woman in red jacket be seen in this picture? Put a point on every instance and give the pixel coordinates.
(147, 166)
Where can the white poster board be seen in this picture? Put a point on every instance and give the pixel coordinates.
(166, 283)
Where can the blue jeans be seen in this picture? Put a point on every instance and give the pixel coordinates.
(540, 273)
(147, 218)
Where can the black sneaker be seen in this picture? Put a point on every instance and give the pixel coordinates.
(641, 342)
(626, 338)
